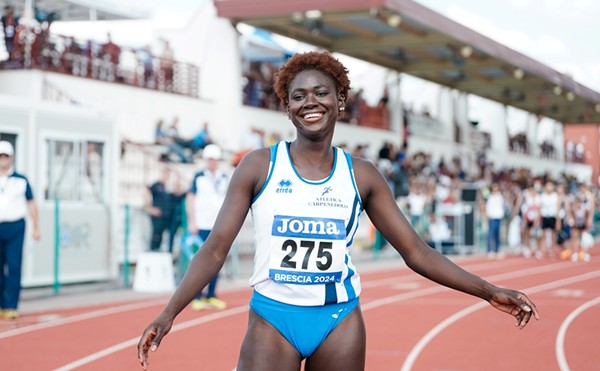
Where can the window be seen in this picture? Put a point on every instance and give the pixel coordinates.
(75, 170)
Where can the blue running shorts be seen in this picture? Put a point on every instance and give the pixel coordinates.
(305, 327)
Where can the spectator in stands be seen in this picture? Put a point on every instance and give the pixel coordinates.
(167, 64)
(201, 139)
(16, 199)
(172, 132)
(9, 22)
(71, 52)
(109, 54)
(254, 88)
(161, 136)
(146, 62)
(383, 101)
(570, 151)
(352, 110)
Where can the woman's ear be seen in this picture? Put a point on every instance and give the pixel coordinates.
(341, 101)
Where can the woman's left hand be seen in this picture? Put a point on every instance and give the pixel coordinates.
(516, 304)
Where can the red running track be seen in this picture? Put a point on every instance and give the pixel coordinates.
(412, 324)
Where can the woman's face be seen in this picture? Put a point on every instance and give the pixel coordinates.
(313, 103)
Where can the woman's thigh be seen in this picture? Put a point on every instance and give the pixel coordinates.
(265, 349)
(344, 348)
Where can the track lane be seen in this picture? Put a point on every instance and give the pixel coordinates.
(390, 324)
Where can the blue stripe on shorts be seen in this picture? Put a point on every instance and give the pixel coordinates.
(305, 327)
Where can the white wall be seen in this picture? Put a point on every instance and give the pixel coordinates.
(86, 236)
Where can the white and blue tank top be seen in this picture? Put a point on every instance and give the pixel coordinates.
(303, 231)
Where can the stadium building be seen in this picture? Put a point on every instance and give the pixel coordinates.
(83, 122)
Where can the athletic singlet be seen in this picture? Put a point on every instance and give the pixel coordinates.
(303, 231)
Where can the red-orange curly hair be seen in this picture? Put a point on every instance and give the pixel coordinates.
(320, 61)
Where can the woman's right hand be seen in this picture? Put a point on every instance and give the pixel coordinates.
(152, 337)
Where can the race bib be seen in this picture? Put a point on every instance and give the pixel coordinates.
(307, 251)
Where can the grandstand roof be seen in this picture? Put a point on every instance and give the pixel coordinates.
(83, 10)
(405, 36)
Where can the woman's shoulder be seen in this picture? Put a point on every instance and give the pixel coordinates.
(256, 157)
(364, 166)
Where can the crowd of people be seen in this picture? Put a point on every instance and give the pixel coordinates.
(308, 194)
(31, 44)
(419, 183)
(549, 215)
(184, 149)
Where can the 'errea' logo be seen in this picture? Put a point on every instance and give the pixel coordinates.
(285, 186)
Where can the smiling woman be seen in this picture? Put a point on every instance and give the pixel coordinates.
(303, 271)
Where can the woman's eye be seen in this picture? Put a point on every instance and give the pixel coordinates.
(322, 94)
(297, 97)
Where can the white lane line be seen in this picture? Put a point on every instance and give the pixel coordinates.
(132, 342)
(498, 277)
(81, 317)
(412, 276)
(367, 306)
(560, 338)
(136, 306)
(424, 341)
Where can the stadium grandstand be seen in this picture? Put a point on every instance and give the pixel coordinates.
(83, 115)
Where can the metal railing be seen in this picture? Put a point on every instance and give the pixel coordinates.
(38, 49)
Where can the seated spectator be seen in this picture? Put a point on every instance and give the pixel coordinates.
(200, 140)
(161, 136)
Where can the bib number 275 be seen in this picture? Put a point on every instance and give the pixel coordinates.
(323, 258)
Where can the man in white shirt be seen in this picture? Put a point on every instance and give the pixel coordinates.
(203, 203)
(16, 198)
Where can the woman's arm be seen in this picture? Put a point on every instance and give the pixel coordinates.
(245, 183)
(428, 262)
